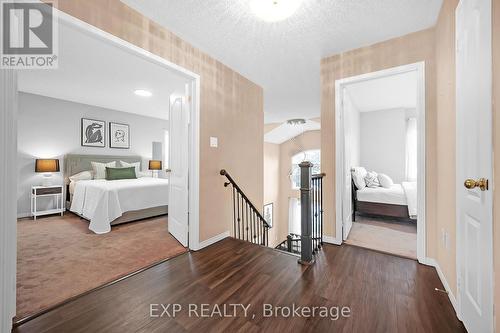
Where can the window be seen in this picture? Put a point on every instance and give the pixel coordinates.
(313, 156)
(411, 150)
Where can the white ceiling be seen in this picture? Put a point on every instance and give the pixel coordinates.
(391, 92)
(98, 73)
(284, 57)
(285, 132)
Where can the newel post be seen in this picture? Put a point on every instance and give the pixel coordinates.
(306, 255)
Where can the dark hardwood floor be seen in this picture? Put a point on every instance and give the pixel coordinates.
(384, 293)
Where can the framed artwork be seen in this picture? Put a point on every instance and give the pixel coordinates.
(93, 133)
(119, 136)
(268, 214)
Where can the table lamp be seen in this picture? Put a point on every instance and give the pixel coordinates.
(155, 166)
(47, 167)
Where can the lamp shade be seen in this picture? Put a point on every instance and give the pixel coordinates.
(154, 165)
(47, 165)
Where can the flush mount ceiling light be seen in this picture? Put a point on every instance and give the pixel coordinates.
(296, 122)
(143, 93)
(274, 10)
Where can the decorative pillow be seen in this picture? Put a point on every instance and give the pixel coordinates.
(385, 181)
(371, 179)
(143, 174)
(120, 173)
(358, 175)
(136, 165)
(99, 169)
(84, 175)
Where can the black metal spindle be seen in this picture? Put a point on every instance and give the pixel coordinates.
(314, 216)
(321, 208)
(234, 212)
(248, 223)
(238, 206)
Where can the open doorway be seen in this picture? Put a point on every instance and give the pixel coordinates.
(380, 172)
(107, 150)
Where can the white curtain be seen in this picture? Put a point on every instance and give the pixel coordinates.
(294, 216)
(411, 150)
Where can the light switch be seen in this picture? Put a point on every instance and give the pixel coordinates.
(214, 142)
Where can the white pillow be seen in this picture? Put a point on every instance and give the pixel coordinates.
(371, 179)
(84, 175)
(358, 175)
(99, 169)
(143, 174)
(136, 165)
(385, 181)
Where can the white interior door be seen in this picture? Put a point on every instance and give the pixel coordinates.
(474, 161)
(347, 137)
(178, 208)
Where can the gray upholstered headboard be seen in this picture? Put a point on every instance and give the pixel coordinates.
(74, 164)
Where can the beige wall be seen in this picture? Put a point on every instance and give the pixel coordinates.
(282, 154)
(231, 108)
(445, 141)
(271, 188)
(496, 152)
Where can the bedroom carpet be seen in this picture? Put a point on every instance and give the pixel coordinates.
(58, 257)
(398, 238)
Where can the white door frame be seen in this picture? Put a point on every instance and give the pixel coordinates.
(8, 155)
(419, 68)
(8, 199)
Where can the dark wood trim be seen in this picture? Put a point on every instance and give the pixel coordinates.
(382, 209)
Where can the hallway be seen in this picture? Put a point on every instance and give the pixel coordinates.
(384, 294)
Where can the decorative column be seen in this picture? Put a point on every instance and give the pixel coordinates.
(306, 255)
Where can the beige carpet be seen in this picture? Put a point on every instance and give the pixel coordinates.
(398, 238)
(58, 257)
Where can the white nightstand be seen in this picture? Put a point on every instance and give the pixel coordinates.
(55, 191)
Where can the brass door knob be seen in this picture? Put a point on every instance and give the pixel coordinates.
(482, 183)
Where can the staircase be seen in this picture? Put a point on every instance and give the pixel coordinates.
(249, 225)
(292, 243)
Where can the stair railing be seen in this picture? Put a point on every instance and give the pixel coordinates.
(248, 224)
(311, 218)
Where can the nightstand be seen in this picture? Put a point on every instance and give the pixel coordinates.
(54, 191)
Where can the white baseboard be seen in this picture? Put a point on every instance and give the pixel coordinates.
(332, 240)
(23, 215)
(432, 262)
(212, 240)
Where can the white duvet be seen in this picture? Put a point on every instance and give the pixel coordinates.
(398, 194)
(410, 189)
(102, 201)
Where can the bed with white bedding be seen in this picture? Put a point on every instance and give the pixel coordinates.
(393, 200)
(404, 194)
(109, 202)
(103, 201)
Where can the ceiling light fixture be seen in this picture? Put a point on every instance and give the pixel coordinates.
(274, 10)
(143, 93)
(296, 122)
